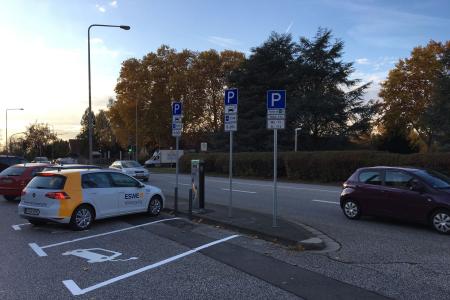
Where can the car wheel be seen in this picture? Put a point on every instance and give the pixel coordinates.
(351, 210)
(36, 222)
(155, 206)
(440, 220)
(82, 218)
(10, 198)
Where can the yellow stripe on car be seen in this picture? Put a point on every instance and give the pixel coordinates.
(73, 189)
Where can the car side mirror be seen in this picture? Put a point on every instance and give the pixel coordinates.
(417, 186)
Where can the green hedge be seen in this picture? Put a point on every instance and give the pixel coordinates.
(320, 166)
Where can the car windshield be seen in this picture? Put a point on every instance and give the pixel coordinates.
(13, 171)
(435, 179)
(131, 164)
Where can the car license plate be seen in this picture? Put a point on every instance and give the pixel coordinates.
(32, 211)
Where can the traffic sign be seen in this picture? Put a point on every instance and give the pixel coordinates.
(231, 109)
(177, 126)
(230, 118)
(276, 117)
(176, 119)
(176, 132)
(276, 99)
(275, 124)
(231, 126)
(177, 108)
(276, 111)
(231, 96)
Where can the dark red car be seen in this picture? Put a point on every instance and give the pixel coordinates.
(410, 194)
(16, 177)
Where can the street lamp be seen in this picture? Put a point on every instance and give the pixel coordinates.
(124, 27)
(6, 142)
(296, 131)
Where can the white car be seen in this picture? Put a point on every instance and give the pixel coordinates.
(132, 168)
(77, 197)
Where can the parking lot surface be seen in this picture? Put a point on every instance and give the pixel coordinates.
(137, 257)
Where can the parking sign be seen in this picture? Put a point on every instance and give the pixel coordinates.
(231, 97)
(276, 99)
(177, 108)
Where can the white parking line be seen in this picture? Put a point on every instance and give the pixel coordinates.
(17, 226)
(239, 191)
(76, 290)
(40, 252)
(324, 201)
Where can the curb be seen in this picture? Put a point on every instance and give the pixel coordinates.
(313, 243)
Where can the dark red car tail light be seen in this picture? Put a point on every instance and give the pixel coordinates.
(57, 195)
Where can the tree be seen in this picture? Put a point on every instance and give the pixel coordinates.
(37, 137)
(102, 135)
(196, 78)
(407, 93)
(322, 99)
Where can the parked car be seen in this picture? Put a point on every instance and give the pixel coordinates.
(41, 159)
(62, 197)
(70, 167)
(132, 168)
(66, 160)
(9, 160)
(15, 178)
(411, 194)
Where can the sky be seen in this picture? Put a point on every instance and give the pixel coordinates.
(43, 49)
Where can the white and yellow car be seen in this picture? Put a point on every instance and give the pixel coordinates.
(77, 197)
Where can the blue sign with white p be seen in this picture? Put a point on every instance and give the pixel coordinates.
(231, 96)
(177, 109)
(276, 99)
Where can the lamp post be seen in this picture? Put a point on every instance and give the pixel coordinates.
(6, 141)
(136, 149)
(295, 139)
(124, 27)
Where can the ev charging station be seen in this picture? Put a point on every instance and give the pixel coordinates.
(198, 183)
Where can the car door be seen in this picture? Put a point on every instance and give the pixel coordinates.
(370, 191)
(404, 203)
(130, 193)
(98, 189)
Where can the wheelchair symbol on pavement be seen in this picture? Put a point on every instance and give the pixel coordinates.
(96, 255)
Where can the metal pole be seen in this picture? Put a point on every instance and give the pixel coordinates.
(136, 130)
(295, 147)
(90, 107)
(176, 177)
(6, 142)
(230, 200)
(275, 156)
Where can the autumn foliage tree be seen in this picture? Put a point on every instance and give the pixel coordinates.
(408, 92)
(153, 82)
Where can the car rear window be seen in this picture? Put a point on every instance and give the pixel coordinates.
(13, 171)
(55, 182)
(370, 177)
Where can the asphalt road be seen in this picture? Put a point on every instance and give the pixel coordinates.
(404, 261)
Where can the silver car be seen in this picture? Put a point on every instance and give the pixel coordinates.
(131, 168)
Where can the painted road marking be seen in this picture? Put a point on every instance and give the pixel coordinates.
(239, 191)
(324, 201)
(17, 226)
(264, 185)
(76, 290)
(40, 252)
(96, 255)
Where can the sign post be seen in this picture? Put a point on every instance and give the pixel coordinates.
(177, 128)
(276, 116)
(231, 109)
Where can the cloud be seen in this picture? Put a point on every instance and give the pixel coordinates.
(223, 42)
(100, 8)
(289, 27)
(362, 61)
(113, 3)
(375, 77)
